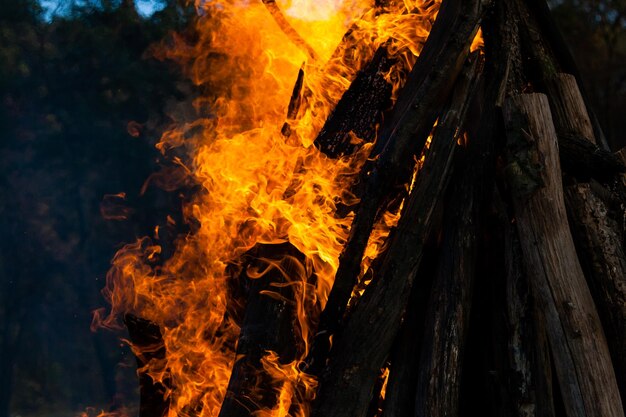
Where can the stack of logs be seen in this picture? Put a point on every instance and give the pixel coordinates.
(502, 290)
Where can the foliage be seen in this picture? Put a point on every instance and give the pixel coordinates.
(71, 91)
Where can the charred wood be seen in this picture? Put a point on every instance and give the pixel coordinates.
(357, 114)
(148, 346)
(294, 104)
(451, 298)
(268, 325)
(361, 349)
(405, 355)
(529, 383)
(404, 135)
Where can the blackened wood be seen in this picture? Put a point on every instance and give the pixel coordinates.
(449, 307)
(363, 346)
(578, 344)
(583, 159)
(268, 325)
(402, 382)
(450, 302)
(601, 250)
(294, 104)
(355, 118)
(404, 134)
(529, 383)
(147, 345)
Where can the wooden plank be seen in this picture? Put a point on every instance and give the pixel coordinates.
(579, 347)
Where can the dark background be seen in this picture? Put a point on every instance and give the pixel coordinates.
(82, 102)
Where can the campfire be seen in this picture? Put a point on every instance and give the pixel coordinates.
(398, 205)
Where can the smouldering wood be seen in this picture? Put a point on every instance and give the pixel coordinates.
(360, 109)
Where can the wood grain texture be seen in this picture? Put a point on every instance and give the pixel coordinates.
(568, 107)
(579, 347)
(602, 254)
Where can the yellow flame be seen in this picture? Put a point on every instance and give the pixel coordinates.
(257, 186)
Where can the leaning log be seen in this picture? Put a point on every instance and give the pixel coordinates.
(450, 303)
(414, 339)
(601, 249)
(568, 108)
(404, 135)
(584, 160)
(268, 326)
(529, 383)
(355, 118)
(583, 363)
(359, 352)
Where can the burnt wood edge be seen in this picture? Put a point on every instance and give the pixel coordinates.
(404, 133)
(147, 344)
(360, 350)
(268, 325)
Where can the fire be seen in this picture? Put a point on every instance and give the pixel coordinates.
(257, 186)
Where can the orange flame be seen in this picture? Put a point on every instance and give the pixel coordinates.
(258, 186)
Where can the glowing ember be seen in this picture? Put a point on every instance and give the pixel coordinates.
(257, 185)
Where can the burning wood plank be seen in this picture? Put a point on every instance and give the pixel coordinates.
(278, 247)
